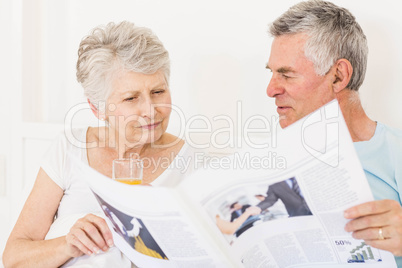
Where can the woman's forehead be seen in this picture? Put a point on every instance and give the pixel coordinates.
(129, 81)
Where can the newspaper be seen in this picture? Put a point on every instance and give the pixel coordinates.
(199, 222)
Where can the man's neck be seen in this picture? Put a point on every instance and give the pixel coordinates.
(361, 127)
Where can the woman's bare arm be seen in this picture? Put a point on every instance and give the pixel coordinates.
(26, 246)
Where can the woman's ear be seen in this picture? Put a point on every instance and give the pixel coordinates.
(96, 112)
(343, 74)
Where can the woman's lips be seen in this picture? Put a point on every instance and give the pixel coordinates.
(151, 126)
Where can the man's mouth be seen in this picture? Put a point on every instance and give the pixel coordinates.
(282, 109)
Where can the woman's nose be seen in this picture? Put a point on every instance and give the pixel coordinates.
(147, 108)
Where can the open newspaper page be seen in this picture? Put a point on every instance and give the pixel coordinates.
(301, 185)
(152, 226)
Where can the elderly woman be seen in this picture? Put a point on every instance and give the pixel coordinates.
(124, 70)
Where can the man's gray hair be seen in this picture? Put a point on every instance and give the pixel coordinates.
(333, 34)
(115, 47)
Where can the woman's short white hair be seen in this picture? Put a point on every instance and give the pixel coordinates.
(116, 47)
(333, 34)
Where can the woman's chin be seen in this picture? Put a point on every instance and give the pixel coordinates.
(151, 137)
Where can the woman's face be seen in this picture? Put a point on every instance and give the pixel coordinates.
(139, 106)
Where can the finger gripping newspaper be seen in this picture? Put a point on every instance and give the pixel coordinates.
(243, 211)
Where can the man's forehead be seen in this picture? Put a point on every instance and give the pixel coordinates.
(292, 37)
(293, 42)
(287, 52)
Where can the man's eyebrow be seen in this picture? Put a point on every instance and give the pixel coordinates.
(281, 70)
(284, 70)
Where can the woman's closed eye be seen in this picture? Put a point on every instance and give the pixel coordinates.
(130, 98)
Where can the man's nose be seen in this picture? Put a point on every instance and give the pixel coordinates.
(274, 88)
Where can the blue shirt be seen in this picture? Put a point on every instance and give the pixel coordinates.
(381, 158)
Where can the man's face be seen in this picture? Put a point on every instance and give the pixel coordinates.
(296, 87)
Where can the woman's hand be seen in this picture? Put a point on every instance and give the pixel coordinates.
(89, 235)
(378, 223)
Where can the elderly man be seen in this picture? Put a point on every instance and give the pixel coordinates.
(319, 53)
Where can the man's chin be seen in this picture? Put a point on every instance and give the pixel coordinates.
(283, 125)
(285, 122)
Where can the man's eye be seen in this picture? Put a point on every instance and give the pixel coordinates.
(285, 76)
(159, 91)
(130, 99)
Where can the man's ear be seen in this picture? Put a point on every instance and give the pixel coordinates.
(95, 111)
(343, 74)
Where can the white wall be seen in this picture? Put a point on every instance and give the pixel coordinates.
(10, 84)
(218, 52)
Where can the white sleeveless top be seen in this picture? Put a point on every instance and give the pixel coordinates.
(78, 200)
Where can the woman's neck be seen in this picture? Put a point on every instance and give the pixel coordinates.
(112, 140)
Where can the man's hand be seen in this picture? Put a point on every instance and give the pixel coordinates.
(378, 223)
(253, 211)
